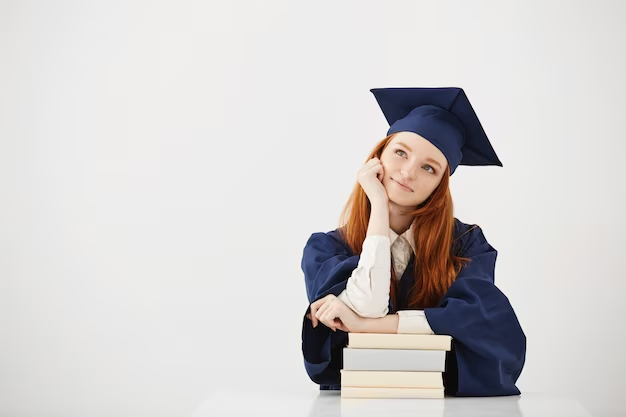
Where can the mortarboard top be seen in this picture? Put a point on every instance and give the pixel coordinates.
(443, 116)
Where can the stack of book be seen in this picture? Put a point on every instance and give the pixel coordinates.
(377, 365)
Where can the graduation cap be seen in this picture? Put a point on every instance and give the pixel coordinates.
(443, 116)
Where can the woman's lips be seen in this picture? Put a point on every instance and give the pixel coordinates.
(403, 186)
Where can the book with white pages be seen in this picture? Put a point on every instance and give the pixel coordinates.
(394, 360)
(391, 379)
(399, 341)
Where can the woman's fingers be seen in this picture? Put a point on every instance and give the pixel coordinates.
(375, 170)
(321, 310)
(328, 317)
(339, 324)
(322, 314)
(371, 166)
(313, 314)
(325, 311)
(314, 309)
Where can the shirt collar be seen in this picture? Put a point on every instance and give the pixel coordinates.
(408, 235)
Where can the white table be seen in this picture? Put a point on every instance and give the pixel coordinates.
(329, 404)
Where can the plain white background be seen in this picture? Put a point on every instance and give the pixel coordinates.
(162, 164)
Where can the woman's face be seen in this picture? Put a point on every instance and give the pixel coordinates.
(413, 168)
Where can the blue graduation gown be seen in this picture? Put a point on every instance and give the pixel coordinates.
(488, 348)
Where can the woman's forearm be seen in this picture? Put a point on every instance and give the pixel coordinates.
(378, 224)
(387, 324)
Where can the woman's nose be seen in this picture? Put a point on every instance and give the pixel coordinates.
(407, 173)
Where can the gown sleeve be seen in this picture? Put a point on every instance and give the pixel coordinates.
(489, 345)
(327, 263)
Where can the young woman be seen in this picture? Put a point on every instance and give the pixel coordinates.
(402, 263)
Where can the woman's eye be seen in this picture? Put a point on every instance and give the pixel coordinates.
(401, 151)
(431, 169)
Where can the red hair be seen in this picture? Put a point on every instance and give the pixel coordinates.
(436, 265)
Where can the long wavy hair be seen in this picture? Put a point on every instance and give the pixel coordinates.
(436, 264)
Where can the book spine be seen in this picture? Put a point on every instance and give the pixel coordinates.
(394, 360)
(388, 379)
(354, 392)
(389, 341)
